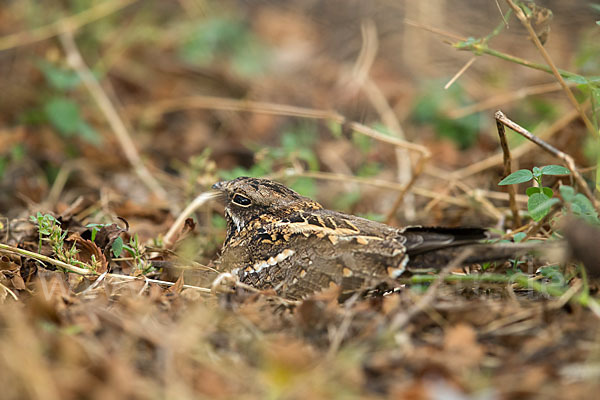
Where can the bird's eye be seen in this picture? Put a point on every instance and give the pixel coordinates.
(241, 200)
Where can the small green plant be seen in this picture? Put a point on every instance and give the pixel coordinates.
(430, 109)
(136, 250)
(540, 197)
(579, 205)
(49, 230)
(117, 245)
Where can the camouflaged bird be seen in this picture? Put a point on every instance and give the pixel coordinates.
(278, 239)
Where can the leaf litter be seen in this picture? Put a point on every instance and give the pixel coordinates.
(144, 321)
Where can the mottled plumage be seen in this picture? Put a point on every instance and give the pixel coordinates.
(279, 239)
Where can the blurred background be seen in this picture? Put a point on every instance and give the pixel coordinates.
(200, 88)
(131, 109)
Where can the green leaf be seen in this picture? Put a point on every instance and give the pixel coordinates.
(519, 236)
(555, 170)
(583, 207)
(58, 78)
(535, 189)
(64, 115)
(577, 79)
(539, 205)
(522, 175)
(567, 192)
(531, 190)
(537, 172)
(95, 231)
(117, 247)
(430, 108)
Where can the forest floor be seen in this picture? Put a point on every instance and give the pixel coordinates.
(116, 115)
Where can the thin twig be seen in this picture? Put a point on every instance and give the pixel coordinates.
(380, 183)
(37, 256)
(523, 18)
(67, 24)
(193, 206)
(434, 30)
(522, 280)
(481, 47)
(460, 72)
(219, 103)
(159, 282)
(90, 271)
(567, 159)
(392, 212)
(12, 294)
(112, 116)
(385, 111)
(502, 14)
(59, 183)
(507, 171)
(522, 150)
(496, 101)
(216, 103)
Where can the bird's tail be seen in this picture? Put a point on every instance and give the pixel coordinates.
(467, 254)
(432, 248)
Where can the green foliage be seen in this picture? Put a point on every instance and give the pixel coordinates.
(430, 108)
(46, 226)
(579, 204)
(540, 197)
(49, 230)
(296, 146)
(60, 110)
(369, 169)
(64, 115)
(136, 249)
(58, 78)
(117, 246)
(554, 276)
(521, 176)
(224, 38)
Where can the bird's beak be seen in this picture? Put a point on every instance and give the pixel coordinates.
(219, 185)
(220, 192)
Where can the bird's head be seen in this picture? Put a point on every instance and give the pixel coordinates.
(247, 198)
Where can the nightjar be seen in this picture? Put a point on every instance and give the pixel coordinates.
(278, 239)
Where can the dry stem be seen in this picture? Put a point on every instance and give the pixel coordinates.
(567, 159)
(523, 149)
(112, 116)
(63, 25)
(523, 18)
(507, 171)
